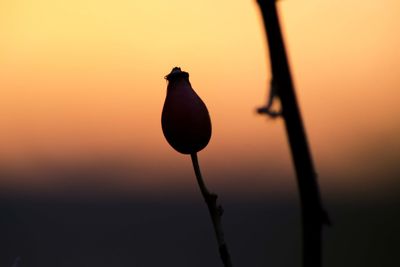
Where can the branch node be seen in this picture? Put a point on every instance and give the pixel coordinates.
(273, 95)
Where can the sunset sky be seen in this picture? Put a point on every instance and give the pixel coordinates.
(84, 79)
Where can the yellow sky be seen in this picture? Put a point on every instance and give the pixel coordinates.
(83, 78)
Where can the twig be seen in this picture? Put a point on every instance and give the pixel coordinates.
(267, 109)
(313, 214)
(216, 212)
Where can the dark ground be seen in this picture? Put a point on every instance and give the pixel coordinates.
(49, 231)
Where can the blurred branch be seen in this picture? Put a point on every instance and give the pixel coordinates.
(216, 212)
(313, 214)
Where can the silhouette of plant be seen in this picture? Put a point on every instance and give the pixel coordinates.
(313, 213)
(186, 125)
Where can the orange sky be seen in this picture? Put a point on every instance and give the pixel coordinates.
(84, 78)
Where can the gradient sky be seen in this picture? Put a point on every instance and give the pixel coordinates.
(84, 79)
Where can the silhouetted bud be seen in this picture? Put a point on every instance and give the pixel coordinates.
(185, 120)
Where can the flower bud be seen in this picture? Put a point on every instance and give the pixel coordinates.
(185, 120)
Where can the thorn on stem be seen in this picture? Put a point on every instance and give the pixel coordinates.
(269, 112)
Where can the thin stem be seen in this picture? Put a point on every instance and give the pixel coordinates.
(215, 213)
(313, 214)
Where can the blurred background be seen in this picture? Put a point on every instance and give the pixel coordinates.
(87, 178)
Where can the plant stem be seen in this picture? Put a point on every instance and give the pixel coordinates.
(215, 213)
(313, 214)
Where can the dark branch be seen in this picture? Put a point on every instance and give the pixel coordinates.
(313, 214)
(215, 211)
